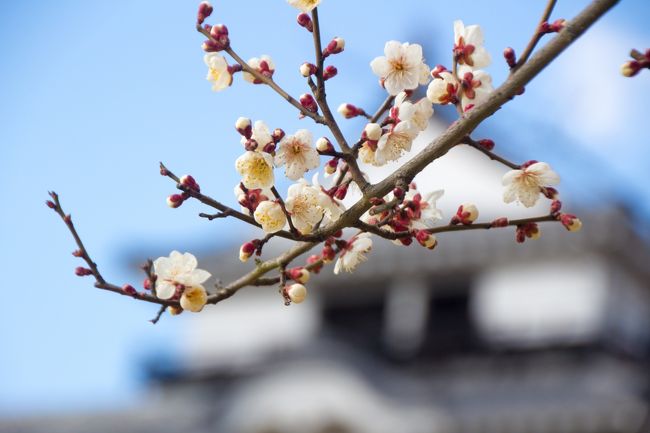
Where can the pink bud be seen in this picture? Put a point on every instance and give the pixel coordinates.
(550, 193)
(308, 101)
(299, 274)
(146, 284)
(486, 143)
(220, 38)
(129, 289)
(277, 135)
(244, 126)
(328, 254)
(323, 145)
(246, 251)
(314, 259)
(50, 204)
(349, 111)
(80, 271)
(406, 241)
(335, 46)
(175, 200)
(188, 182)
(509, 55)
(556, 205)
(466, 214)
(304, 20)
(205, 10)
(341, 192)
(308, 69)
(426, 239)
(571, 222)
(330, 72)
(435, 72)
(77, 253)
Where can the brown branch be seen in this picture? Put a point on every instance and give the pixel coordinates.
(493, 156)
(266, 80)
(277, 195)
(537, 36)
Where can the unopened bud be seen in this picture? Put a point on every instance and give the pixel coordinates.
(426, 239)
(77, 253)
(341, 192)
(175, 310)
(80, 271)
(244, 126)
(398, 192)
(349, 111)
(631, 68)
(556, 205)
(335, 46)
(50, 204)
(246, 251)
(205, 10)
(129, 289)
(533, 231)
(219, 33)
(466, 214)
(299, 275)
(308, 101)
(296, 293)
(499, 222)
(304, 20)
(328, 254)
(331, 166)
(571, 222)
(406, 241)
(323, 145)
(330, 72)
(372, 131)
(308, 69)
(146, 284)
(509, 55)
(486, 143)
(312, 260)
(435, 72)
(550, 193)
(175, 200)
(188, 182)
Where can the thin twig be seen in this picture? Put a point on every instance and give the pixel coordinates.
(493, 156)
(536, 36)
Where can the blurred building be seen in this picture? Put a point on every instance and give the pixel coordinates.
(480, 335)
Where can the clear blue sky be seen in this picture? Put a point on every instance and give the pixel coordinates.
(94, 94)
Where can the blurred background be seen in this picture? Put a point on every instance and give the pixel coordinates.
(480, 335)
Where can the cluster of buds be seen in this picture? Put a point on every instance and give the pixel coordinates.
(529, 230)
(335, 46)
(640, 61)
(349, 111)
(189, 185)
(304, 20)
(466, 214)
(553, 27)
(219, 39)
(250, 198)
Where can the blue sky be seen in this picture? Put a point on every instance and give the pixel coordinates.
(94, 94)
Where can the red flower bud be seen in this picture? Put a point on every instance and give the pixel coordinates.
(304, 20)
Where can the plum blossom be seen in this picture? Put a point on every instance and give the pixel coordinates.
(296, 152)
(218, 73)
(401, 68)
(443, 89)
(476, 87)
(468, 46)
(303, 204)
(270, 216)
(395, 143)
(194, 298)
(304, 5)
(525, 185)
(332, 208)
(422, 210)
(353, 253)
(264, 65)
(417, 113)
(178, 270)
(261, 134)
(256, 169)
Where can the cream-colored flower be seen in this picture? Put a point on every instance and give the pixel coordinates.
(353, 253)
(401, 67)
(468, 46)
(270, 216)
(524, 185)
(332, 208)
(417, 113)
(395, 143)
(477, 86)
(296, 152)
(177, 269)
(194, 298)
(218, 73)
(303, 204)
(304, 5)
(256, 169)
(443, 90)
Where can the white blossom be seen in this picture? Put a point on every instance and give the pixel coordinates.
(395, 143)
(270, 216)
(401, 68)
(524, 185)
(296, 152)
(332, 208)
(417, 113)
(264, 65)
(218, 73)
(477, 86)
(194, 298)
(303, 204)
(424, 208)
(304, 5)
(468, 46)
(261, 134)
(443, 90)
(353, 253)
(177, 269)
(256, 169)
